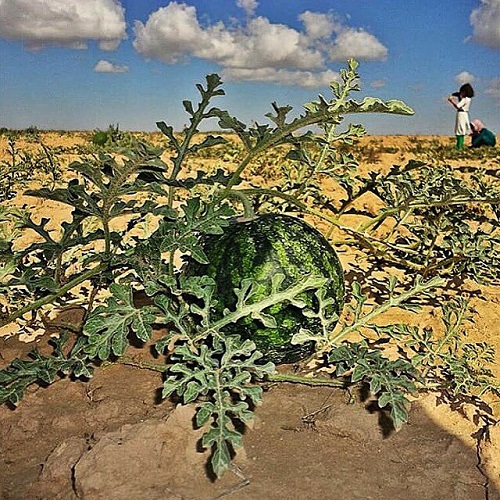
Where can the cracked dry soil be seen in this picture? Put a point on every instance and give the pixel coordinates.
(111, 439)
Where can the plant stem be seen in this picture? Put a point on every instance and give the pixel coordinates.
(273, 140)
(182, 151)
(50, 298)
(247, 206)
(330, 134)
(313, 381)
(452, 332)
(270, 377)
(392, 302)
(143, 365)
(427, 204)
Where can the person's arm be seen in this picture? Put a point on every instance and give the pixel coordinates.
(452, 102)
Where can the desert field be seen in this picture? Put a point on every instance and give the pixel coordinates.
(112, 435)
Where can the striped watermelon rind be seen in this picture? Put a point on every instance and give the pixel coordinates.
(258, 249)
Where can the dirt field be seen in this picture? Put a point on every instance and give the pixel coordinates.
(111, 438)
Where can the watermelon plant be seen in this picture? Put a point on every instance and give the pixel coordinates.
(112, 136)
(239, 295)
(99, 138)
(23, 168)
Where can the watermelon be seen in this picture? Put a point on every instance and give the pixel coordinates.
(258, 249)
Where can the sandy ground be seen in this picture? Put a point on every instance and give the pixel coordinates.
(111, 438)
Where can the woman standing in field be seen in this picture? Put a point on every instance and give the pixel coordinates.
(461, 102)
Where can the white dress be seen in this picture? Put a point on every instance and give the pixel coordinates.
(462, 125)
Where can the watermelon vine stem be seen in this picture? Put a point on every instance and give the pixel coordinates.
(311, 381)
(248, 212)
(50, 298)
(270, 377)
(393, 301)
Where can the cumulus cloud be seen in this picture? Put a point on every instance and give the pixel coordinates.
(318, 25)
(485, 21)
(249, 6)
(173, 33)
(259, 50)
(107, 67)
(357, 42)
(69, 23)
(465, 77)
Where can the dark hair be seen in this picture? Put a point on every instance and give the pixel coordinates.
(467, 90)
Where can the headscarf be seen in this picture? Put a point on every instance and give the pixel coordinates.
(477, 124)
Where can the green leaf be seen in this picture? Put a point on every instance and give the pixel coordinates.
(16, 377)
(374, 105)
(171, 386)
(223, 370)
(107, 328)
(399, 408)
(303, 336)
(182, 234)
(221, 459)
(204, 412)
(192, 391)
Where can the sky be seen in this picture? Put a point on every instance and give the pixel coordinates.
(88, 64)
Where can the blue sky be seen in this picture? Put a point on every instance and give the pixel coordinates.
(86, 64)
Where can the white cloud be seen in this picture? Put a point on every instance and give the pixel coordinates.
(317, 25)
(173, 33)
(485, 21)
(259, 50)
(465, 77)
(249, 6)
(356, 42)
(169, 34)
(70, 23)
(274, 45)
(107, 67)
